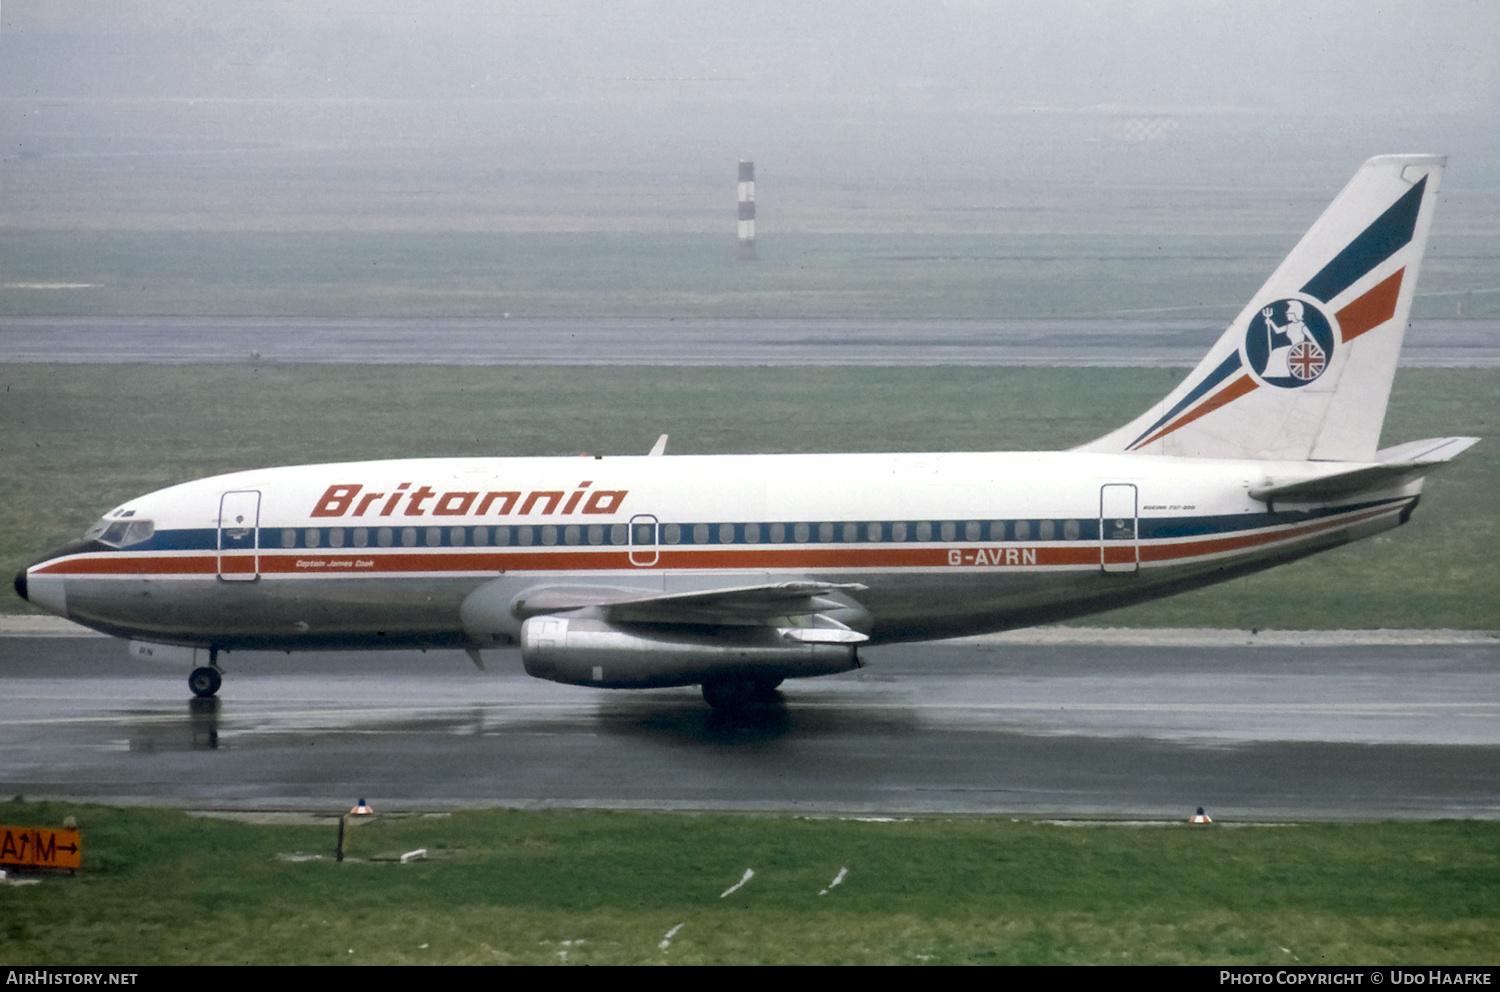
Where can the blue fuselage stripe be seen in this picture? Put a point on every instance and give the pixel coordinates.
(272, 539)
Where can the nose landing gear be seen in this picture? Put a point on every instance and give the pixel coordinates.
(205, 681)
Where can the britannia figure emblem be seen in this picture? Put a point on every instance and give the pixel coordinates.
(1289, 343)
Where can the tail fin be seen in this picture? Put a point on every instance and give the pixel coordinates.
(1305, 370)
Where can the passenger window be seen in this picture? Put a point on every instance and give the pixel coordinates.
(311, 537)
(671, 533)
(361, 537)
(502, 536)
(644, 534)
(700, 533)
(523, 535)
(874, 532)
(288, 538)
(571, 534)
(924, 531)
(1046, 530)
(778, 533)
(408, 537)
(851, 533)
(456, 537)
(549, 534)
(997, 530)
(971, 530)
(335, 537)
(948, 529)
(726, 533)
(1023, 530)
(752, 533)
(825, 532)
(1070, 530)
(481, 536)
(596, 534)
(898, 530)
(620, 533)
(800, 533)
(383, 537)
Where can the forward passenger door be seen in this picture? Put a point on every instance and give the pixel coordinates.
(239, 540)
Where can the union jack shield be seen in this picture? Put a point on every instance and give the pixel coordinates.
(1306, 361)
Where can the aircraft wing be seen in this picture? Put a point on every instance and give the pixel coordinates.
(800, 604)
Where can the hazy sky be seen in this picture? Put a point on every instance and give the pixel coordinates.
(1169, 91)
(1287, 56)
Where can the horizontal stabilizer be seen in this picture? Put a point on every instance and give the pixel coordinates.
(1396, 466)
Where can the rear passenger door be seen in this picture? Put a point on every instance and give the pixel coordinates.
(1119, 549)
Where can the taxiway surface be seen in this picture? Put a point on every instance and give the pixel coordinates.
(593, 341)
(1254, 731)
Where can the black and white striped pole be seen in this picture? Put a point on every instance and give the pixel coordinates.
(747, 211)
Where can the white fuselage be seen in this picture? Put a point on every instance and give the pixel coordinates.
(386, 553)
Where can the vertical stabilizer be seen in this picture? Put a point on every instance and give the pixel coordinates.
(1305, 370)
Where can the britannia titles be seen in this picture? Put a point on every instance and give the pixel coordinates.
(339, 500)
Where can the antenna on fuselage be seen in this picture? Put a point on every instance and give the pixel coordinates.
(659, 448)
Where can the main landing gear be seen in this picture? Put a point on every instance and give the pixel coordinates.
(205, 681)
(733, 692)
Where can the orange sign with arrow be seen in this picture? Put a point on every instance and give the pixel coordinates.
(39, 848)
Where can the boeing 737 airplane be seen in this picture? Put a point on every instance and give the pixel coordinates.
(738, 571)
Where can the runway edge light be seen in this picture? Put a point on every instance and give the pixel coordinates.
(1200, 817)
(362, 808)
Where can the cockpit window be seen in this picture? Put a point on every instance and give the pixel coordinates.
(120, 533)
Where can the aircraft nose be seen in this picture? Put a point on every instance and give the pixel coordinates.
(21, 583)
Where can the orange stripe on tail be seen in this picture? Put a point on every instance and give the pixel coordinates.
(1371, 310)
(1228, 394)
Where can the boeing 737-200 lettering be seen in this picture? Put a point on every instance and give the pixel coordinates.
(738, 571)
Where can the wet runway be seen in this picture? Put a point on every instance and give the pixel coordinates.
(561, 341)
(1120, 730)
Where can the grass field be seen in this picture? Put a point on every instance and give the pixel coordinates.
(581, 887)
(79, 439)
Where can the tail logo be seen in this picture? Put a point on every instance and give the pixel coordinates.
(1289, 343)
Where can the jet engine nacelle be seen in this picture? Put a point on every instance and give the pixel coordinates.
(591, 651)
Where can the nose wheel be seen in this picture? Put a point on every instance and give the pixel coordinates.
(205, 681)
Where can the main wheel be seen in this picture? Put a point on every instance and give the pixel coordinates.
(765, 689)
(734, 692)
(204, 682)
